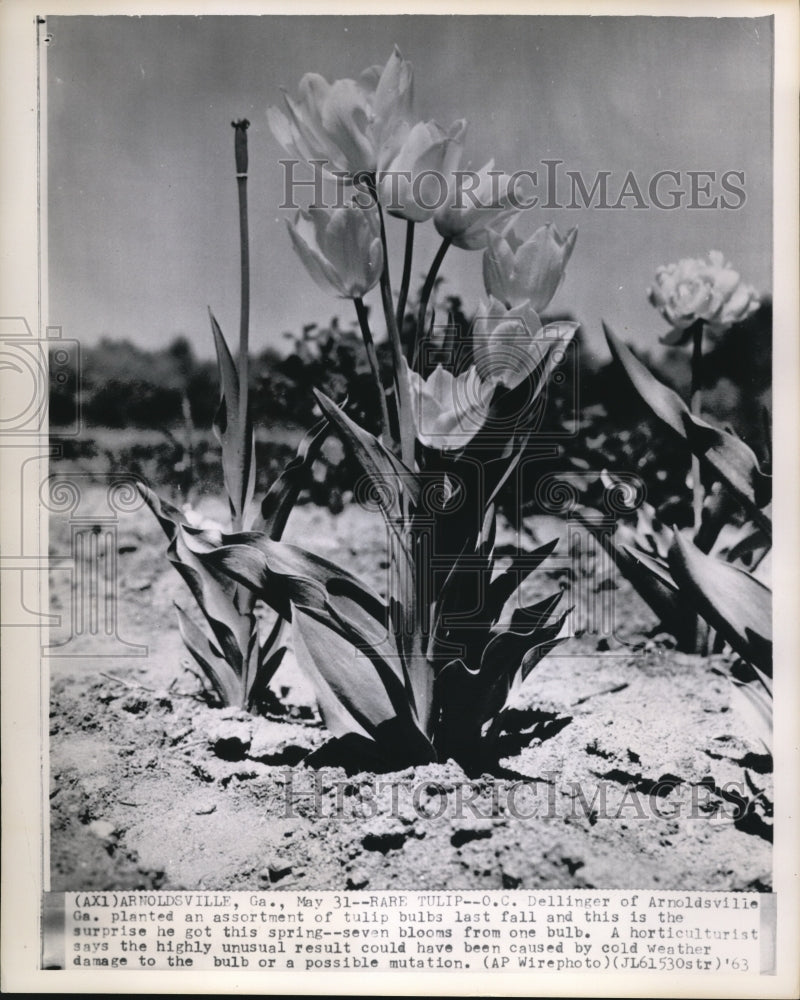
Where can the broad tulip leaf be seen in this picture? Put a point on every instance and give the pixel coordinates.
(350, 693)
(268, 663)
(388, 473)
(755, 704)
(522, 565)
(382, 657)
(217, 670)
(732, 459)
(749, 540)
(214, 593)
(504, 652)
(648, 579)
(315, 644)
(287, 576)
(538, 653)
(727, 455)
(536, 615)
(732, 601)
(657, 566)
(238, 446)
(281, 496)
(391, 480)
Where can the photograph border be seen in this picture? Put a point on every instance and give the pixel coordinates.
(23, 285)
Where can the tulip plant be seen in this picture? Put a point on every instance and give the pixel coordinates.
(707, 583)
(423, 674)
(237, 664)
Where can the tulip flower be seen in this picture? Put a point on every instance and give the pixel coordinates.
(414, 168)
(698, 296)
(448, 409)
(345, 123)
(510, 344)
(472, 209)
(693, 290)
(340, 248)
(515, 271)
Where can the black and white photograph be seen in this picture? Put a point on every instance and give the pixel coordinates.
(408, 480)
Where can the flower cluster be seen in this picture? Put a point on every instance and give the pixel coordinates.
(363, 131)
(708, 291)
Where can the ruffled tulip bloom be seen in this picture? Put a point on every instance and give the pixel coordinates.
(531, 271)
(414, 168)
(471, 212)
(695, 290)
(448, 409)
(346, 122)
(340, 248)
(509, 345)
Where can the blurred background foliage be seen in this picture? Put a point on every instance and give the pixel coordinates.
(150, 412)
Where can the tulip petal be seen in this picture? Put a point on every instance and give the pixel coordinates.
(320, 270)
(539, 267)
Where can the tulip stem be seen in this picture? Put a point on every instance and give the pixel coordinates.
(401, 386)
(244, 319)
(372, 357)
(427, 290)
(696, 405)
(409, 253)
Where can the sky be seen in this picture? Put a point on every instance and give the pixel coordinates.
(142, 204)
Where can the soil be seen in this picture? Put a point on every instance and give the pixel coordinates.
(629, 767)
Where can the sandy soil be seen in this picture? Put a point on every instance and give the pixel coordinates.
(630, 767)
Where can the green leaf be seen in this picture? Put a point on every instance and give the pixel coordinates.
(238, 445)
(748, 541)
(397, 487)
(350, 692)
(281, 496)
(649, 578)
(214, 592)
(280, 573)
(727, 455)
(268, 663)
(731, 601)
(388, 474)
(733, 460)
(536, 615)
(503, 654)
(755, 704)
(522, 565)
(219, 673)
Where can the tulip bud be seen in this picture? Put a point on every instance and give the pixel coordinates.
(531, 271)
(340, 248)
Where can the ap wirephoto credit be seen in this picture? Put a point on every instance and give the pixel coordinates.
(408, 470)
